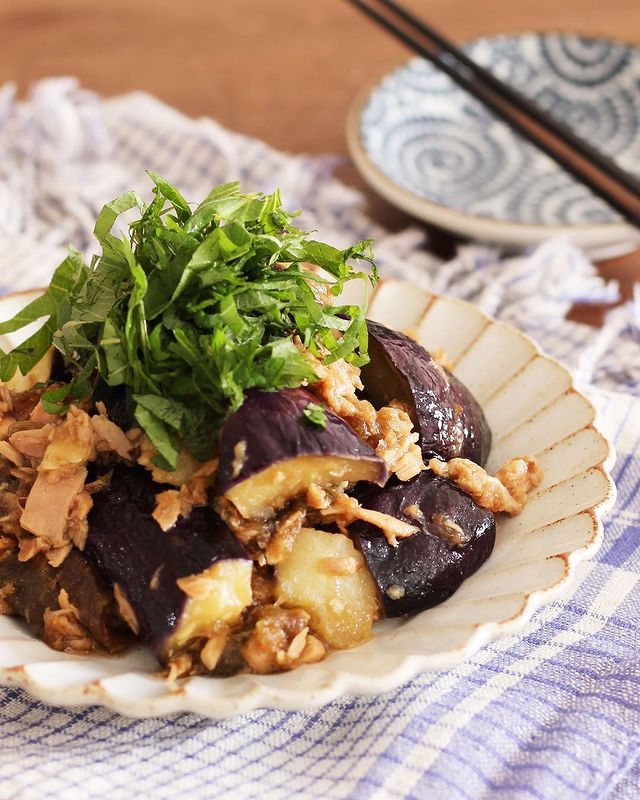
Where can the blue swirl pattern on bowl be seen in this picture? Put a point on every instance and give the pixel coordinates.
(433, 139)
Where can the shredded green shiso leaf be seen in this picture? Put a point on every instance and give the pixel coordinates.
(316, 414)
(192, 309)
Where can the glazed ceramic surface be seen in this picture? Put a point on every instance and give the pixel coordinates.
(434, 150)
(532, 407)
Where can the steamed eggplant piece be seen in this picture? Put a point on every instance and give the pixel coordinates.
(454, 539)
(36, 586)
(174, 586)
(270, 452)
(116, 402)
(448, 418)
(39, 374)
(326, 576)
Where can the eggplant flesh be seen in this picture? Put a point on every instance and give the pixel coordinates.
(270, 489)
(447, 417)
(342, 605)
(270, 452)
(176, 585)
(36, 587)
(39, 374)
(455, 537)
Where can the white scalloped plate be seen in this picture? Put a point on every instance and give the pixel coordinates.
(532, 407)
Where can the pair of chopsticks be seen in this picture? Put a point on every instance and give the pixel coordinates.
(591, 167)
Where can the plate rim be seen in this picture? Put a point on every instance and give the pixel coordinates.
(461, 222)
(271, 692)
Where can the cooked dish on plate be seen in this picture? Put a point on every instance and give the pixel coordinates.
(205, 449)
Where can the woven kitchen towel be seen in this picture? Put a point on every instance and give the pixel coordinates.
(551, 713)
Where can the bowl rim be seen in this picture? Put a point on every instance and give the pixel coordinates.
(462, 222)
(253, 692)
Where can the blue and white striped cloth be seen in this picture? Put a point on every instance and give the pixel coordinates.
(552, 713)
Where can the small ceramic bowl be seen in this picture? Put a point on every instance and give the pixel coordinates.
(438, 153)
(532, 408)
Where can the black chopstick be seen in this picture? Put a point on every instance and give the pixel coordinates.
(591, 167)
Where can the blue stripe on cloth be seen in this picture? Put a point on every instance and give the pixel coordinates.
(550, 713)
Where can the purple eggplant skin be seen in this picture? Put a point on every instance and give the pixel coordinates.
(37, 586)
(426, 568)
(118, 405)
(448, 418)
(272, 430)
(129, 549)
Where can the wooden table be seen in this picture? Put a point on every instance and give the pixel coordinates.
(282, 70)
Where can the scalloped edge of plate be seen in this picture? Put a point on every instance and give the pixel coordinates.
(127, 684)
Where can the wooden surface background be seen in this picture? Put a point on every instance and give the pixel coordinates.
(282, 70)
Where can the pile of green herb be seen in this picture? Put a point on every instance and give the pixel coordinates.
(190, 311)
